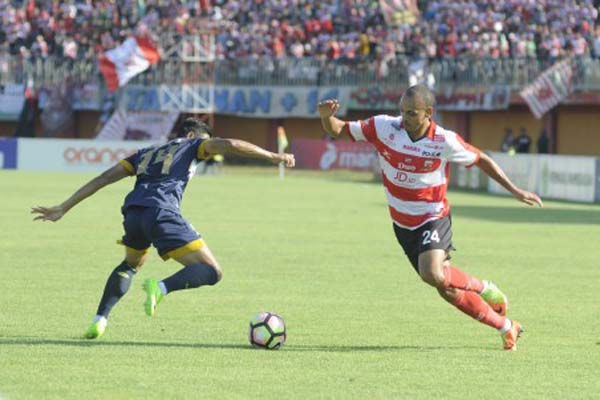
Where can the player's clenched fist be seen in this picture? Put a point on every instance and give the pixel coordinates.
(288, 160)
(328, 107)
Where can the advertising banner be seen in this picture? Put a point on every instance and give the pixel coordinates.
(551, 176)
(467, 178)
(247, 101)
(326, 155)
(597, 180)
(382, 98)
(567, 177)
(522, 169)
(12, 96)
(73, 155)
(8, 153)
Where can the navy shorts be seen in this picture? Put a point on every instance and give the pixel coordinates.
(166, 230)
(436, 234)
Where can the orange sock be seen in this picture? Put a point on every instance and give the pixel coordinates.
(457, 279)
(471, 304)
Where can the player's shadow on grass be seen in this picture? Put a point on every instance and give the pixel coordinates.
(366, 348)
(528, 215)
(79, 342)
(35, 341)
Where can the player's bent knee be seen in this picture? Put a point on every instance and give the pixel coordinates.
(448, 294)
(432, 278)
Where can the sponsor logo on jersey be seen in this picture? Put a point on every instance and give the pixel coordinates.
(404, 177)
(406, 167)
(431, 153)
(411, 148)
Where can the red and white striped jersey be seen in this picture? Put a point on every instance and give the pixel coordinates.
(415, 174)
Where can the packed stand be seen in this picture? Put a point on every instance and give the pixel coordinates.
(348, 30)
(542, 29)
(81, 29)
(340, 30)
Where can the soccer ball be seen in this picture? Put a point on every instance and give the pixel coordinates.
(267, 331)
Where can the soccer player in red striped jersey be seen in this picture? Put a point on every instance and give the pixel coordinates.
(414, 155)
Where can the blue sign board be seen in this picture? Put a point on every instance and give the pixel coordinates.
(8, 153)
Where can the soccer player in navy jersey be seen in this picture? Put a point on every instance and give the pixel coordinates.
(151, 213)
(414, 155)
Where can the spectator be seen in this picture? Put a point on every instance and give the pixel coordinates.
(596, 43)
(522, 142)
(543, 143)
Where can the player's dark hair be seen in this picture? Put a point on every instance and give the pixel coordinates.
(422, 93)
(195, 126)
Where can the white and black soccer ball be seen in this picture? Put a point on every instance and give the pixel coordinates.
(267, 331)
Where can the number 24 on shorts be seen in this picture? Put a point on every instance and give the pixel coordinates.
(431, 236)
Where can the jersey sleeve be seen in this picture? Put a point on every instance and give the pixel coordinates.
(461, 152)
(201, 153)
(130, 163)
(362, 130)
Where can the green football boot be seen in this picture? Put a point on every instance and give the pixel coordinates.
(153, 296)
(96, 329)
(495, 298)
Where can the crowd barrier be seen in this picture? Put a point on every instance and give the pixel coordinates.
(573, 178)
(464, 71)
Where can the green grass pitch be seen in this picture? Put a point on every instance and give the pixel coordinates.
(319, 250)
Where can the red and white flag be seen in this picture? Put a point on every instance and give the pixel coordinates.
(549, 89)
(122, 63)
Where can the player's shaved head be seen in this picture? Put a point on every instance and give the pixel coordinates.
(416, 108)
(420, 93)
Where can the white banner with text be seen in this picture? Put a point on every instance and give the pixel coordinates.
(551, 176)
(67, 155)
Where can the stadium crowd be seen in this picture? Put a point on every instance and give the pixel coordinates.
(341, 30)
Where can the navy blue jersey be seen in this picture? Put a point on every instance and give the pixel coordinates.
(163, 172)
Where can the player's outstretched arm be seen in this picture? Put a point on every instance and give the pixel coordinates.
(246, 149)
(55, 213)
(493, 170)
(331, 124)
